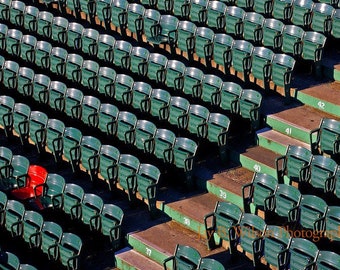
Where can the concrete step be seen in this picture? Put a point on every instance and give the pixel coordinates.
(129, 259)
(297, 122)
(276, 141)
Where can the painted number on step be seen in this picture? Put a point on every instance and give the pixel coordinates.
(321, 105)
(148, 252)
(288, 131)
(257, 168)
(223, 194)
(187, 221)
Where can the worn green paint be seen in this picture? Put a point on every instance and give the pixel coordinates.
(256, 166)
(271, 145)
(146, 249)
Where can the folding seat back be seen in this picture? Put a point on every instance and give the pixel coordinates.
(139, 60)
(73, 101)
(218, 129)
(90, 111)
(211, 89)
(198, 11)
(9, 260)
(253, 27)
(106, 44)
(185, 257)
(204, 44)
(180, 8)
(287, 201)
(15, 212)
(223, 44)
(302, 12)
(234, 21)
(45, 20)
(160, 104)
(108, 117)
(123, 88)
(74, 35)
(164, 143)
(327, 260)
(145, 135)
(13, 40)
(216, 14)
(16, 13)
(157, 67)
(58, 59)
(193, 78)
(230, 93)
(108, 168)
(197, 122)
(302, 252)
(27, 48)
(91, 208)
(104, 12)
(43, 51)
(106, 81)
(6, 114)
(141, 96)
(89, 39)
(72, 197)
(25, 81)
(89, 74)
(250, 103)
(41, 84)
(272, 33)
(10, 73)
(56, 93)
(283, 10)
(242, 57)
(332, 223)
(32, 225)
(184, 153)
(38, 129)
(51, 234)
(128, 168)
(179, 112)
(151, 19)
(126, 127)
(31, 18)
(90, 148)
(175, 75)
(71, 146)
(261, 66)
(69, 250)
(59, 30)
(186, 40)
(135, 18)
(5, 9)
(21, 115)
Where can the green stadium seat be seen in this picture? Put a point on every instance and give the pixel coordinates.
(283, 10)
(43, 51)
(216, 11)
(147, 179)
(151, 19)
(51, 234)
(287, 201)
(108, 167)
(166, 6)
(230, 93)
(121, 52)
(160, 104)
(90, 148)
(141, 96)
(185, 257)
(5, 9)
(135, 20)
(272, 33)
(253, 27)
(72, 197)
(197, 122)
(74, 6)
(302, 13)
(13, 40)
(247, 5)
(175, 75)
(165, 32)
(15, 212)
(145, 136)
(25, 81)
(179, 112)
(90, 111)
(57, 92)
(16, 13)
(5, 156)
(312, 213)
(336, 22)
(259, 192)
(21, 115)
(264, 7)
(149, 3)
(9, 260)
(32, 225)
(31, 19)
(157, 67)
(250, 103)
(211, 89)
(89, 39)
(252, 231)
(111, 218)
(223, 222)
(37, 129)
(126, 127)
(164, 143)
(91, 207)
(73, 100)
(69, 250)
(332, 223)
(261, 67)
(295, 164)
(3, 203)
(128, 166)
(45, 20)
(106, 44)
(54, 138)
(139, 60)
(106, 80)
(10, 74)
(6, 113)
(89, 8)
(3, 36)
(59, 30)
(234, 21)
(282, 69)
(210, 264)
(89, 74)
(51, 197)
(71, 150)
(123, 89)
(198, 11)
(186, 39)
(204, 44)
(27, 48)
(74, 35)
(58, 59)
(193, 78)
(108, 116)
(41, 84)
(276, 243)
(322, 173)
(322, 18)
(180, 8)
(302, 253)
(327, 260)
(222, 53)
(104, 12)
(325, 138)
(242, 53)
(119, 14)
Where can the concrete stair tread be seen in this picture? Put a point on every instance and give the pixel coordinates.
(262, 155)
(326, 91)
(133, 258)
(275, 136)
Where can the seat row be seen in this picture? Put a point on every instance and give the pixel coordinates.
(136, 59)
(187, 256)
(44, 190)
(48, 236)
(9, 260)
(281, 247)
